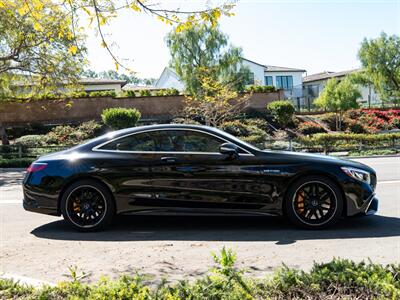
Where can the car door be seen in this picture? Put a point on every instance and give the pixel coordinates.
(125, 163)
(189, 172)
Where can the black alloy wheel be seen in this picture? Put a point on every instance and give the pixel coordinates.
(87, 205)
(314, 202)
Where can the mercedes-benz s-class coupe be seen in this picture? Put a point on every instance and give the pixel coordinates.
(190, 169)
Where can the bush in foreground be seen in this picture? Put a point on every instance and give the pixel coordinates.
(119, 118)
(338, 279)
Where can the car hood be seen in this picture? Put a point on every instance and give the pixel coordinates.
(318, 158)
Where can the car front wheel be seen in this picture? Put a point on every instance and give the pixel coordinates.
(314, 202)
(87, 205)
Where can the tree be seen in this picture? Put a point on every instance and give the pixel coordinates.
(380, 58)
(217, 101)
(39, 49)
(205, 47)
(338, 96)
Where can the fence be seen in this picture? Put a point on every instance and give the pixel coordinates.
(19, 151)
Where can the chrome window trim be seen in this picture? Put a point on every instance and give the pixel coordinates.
(96, 148)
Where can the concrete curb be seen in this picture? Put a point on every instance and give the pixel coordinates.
(26, 280)
(12, 169)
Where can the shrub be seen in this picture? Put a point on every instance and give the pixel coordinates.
(102, 94)
(330, 120)
(260, 88)
(395, 122)
(167, 92)
(89, 129)
(337, 279)
(31, 140)
(119, 118)
(355, 127)
(282, 111)
(344, 141)
(185, 121)
(15, 163)
(130, 94)
(144, 93)
(310, 128)
(247, 131)
(79, 95)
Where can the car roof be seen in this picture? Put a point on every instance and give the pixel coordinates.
(162, 126)
(127, 131)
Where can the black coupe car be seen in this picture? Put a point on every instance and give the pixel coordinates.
(194, 170)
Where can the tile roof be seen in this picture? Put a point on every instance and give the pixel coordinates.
(327, 75)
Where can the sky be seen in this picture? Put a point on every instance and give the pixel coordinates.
(315, 35)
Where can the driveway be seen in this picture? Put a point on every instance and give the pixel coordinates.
(43, 247)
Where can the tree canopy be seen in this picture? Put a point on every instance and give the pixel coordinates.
(338, 96)
(37, 45)
(216, 103)
(380, 58)
(45, 37)
(201, 47)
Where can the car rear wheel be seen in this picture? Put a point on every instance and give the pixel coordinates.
(314, 202)
(87, 205)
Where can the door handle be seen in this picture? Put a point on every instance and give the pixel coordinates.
(168, 159)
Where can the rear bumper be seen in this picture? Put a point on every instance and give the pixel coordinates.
(34, 205)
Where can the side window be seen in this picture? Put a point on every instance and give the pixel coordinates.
(200, 142)
(135, 142)
(186, 141)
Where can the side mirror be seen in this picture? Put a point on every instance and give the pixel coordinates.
(228, 149)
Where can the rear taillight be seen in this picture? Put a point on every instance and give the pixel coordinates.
(36, 167)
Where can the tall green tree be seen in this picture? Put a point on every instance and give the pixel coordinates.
(338, 96)
(201, 47)
(380, 58)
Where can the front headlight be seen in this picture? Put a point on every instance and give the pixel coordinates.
(358, 174)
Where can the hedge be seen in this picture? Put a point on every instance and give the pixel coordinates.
(341, 141)
(16, 162)
(338, 279)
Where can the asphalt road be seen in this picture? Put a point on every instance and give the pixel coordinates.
(43, 247)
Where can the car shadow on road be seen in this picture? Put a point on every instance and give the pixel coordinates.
(201, 228)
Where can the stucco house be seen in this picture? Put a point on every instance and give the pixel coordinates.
(315, 83)
(288, 79)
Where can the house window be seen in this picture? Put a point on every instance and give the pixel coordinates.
(284, 82)
(250, 78)
(268, 80)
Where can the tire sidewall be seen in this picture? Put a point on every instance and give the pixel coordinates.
(290, 210)
(110, 205)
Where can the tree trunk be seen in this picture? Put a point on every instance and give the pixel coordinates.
(336, 121)
(3, 135)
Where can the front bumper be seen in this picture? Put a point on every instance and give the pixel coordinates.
(372, 206)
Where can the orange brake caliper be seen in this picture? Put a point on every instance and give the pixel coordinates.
(77, 207)
(300, 202)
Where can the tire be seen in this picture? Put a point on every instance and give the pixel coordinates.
(87, 205)
(314, 202)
